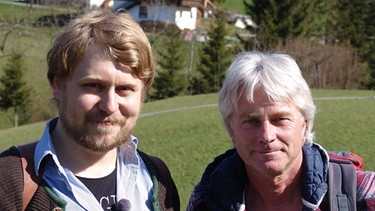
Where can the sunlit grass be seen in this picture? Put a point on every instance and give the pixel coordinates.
(188, 139)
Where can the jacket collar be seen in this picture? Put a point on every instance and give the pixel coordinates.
(314, 175)
(224, 179)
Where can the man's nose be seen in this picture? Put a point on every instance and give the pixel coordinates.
(267, 132)
(109, 102)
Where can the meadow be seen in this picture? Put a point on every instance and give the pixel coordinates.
(187, 132)
(236, 6)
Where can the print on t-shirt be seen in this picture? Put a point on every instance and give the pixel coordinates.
(104, 189)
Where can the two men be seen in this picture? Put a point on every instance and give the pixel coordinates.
(99, 68)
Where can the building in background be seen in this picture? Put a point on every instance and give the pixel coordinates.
(186, 14)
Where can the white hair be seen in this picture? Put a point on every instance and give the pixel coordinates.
(277, 74)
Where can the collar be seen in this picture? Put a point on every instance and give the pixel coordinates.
(314, 175)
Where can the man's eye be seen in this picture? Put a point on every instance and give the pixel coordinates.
(251, 121)
(280, 120)
(122, 89)
(93, 86)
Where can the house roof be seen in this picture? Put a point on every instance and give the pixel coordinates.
(200, 4)
(191, 3)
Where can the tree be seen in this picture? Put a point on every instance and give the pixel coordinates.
(277, 21)
(170, 81)
(352, 23)
(13, 91)
(215, 57)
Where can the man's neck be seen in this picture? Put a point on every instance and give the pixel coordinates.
(81, 161)
(279, 193)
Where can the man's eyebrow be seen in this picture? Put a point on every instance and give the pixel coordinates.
(91, 78)
(283, 113)
(249, 115)
(256, 114)
(101, 80)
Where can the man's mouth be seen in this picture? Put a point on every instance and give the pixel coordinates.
(109, 121)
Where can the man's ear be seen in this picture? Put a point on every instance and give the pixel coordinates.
(230, 132)
(57, 87)
(306, 125)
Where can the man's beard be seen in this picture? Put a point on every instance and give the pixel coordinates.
(80, 133)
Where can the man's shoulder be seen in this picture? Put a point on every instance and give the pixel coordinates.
(12, 151)
(153, 162)
(10, 159)
(365, 184)
(366, 189)
(10, 162)
(166, 193)
(11, 179)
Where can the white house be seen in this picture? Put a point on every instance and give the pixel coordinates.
(186, 14)
(101, 3)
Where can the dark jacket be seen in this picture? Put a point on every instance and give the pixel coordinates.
(222, 184)
(11, 186)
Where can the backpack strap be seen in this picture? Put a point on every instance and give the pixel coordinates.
(31, 180)
(342, 187)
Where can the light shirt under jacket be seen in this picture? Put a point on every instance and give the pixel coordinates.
(133, 179)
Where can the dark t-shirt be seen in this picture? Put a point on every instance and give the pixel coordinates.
(104, 189)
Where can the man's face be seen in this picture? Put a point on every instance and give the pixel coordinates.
(100, 104)
(268, 135)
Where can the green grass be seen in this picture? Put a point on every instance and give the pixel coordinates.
(188, 139)
(234, 6)
(16, 12)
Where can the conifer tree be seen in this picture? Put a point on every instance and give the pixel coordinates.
(215, 56)
(352, 23)
(277, 20)
(13, 91)
(170, 81)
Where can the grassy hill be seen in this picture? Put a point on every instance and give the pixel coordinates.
(188, 139)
